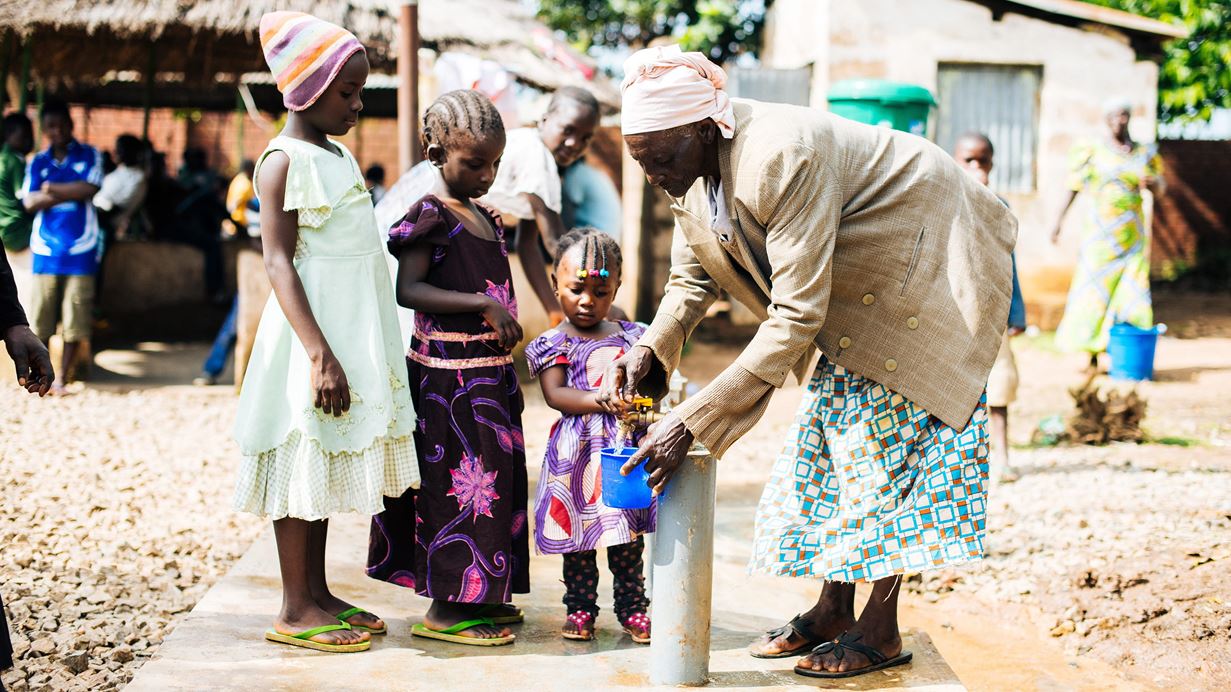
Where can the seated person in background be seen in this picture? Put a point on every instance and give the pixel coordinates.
(590, 200)
(199, 216)
(163, 197)
(123, 189)
(242, 203)
(527, 186)
(60, 183)
(18, 134)
(375, 179)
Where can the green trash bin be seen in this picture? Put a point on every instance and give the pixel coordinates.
(896, 105)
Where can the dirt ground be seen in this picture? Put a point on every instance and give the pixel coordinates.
(116, 518)
(1121, 553)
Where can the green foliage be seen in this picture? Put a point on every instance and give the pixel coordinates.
(719, 28)
(1194, 78)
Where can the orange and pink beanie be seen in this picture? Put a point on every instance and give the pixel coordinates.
(305, 54)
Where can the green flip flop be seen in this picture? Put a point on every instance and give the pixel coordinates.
(513, 619)
(352, 612)
(304, 639)
(450, 634)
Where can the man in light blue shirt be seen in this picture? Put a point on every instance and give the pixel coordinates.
(590, 199)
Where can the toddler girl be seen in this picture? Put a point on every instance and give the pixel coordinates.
(570, 517)
(325, 418)
(462, 539)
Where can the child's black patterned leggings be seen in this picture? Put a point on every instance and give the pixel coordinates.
(581, 580)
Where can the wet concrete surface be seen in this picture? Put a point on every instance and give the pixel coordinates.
(219, 646)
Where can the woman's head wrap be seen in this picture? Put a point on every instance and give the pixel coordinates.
(665, 88)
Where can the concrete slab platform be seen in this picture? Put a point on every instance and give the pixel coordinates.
(219, 646)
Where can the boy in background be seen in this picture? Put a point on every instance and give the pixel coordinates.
(527, 187)
(60, 184)
(974, 151)
(18, 134)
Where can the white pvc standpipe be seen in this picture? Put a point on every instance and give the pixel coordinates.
(683, 575)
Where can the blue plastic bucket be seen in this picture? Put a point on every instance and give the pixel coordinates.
(1132, 352)
(624, 492)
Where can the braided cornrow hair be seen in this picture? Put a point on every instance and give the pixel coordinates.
(460, 112)
(599, 251)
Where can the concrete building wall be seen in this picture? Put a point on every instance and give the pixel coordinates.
(907, 41)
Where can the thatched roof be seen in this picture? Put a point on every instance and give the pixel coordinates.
(202, 39)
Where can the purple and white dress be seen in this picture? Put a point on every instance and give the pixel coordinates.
(569, 512)
(462, 537)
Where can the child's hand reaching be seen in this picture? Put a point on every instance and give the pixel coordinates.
(616, 407)
(503, 323)
(330, 386)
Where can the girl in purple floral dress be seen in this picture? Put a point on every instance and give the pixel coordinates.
(569, 513)
(461, 539)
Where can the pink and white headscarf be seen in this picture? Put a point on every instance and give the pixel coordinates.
(665, 87)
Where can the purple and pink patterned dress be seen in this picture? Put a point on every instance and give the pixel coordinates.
(462, 536)
(569, 512)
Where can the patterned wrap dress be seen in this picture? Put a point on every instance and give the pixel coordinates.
(1112, 282)
(869, 485)
(569, 514)
(464, 536)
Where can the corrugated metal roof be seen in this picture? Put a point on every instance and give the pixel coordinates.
(1076, 9)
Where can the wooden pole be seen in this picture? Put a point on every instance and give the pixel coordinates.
(23, 94)
(408, 85)
(241, 114)
(148, 99)
(5, 59)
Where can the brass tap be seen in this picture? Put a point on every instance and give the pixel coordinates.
(640, 415)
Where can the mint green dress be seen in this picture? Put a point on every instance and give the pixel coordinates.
(298, 461)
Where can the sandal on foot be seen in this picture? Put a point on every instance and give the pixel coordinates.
(585, 627)
(799, 626)
(515, 618)
(304, 639)
(635, 625)
(876, 660)
(352, 612)
(450, 634)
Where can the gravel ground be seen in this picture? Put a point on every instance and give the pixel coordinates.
(115, 520)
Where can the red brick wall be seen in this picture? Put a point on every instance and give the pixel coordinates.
(373, 141)
(1195, 213)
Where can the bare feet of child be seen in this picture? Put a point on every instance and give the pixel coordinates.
(502, 613)
(578, 626)
(443, 615)
(292, 621)
(355, 617)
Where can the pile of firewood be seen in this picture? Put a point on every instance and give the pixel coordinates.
(1105, 417)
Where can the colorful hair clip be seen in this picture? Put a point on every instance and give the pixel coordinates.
(581, 273)
(604, 273)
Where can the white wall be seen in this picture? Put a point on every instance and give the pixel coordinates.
(905, 41)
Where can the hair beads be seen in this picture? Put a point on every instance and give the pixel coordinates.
(590, 257)
(597, 249)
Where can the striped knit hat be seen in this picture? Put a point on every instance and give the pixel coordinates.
(305, 54)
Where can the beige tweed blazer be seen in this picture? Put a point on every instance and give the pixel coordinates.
(869, 244)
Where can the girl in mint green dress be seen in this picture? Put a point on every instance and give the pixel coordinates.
(325, 418)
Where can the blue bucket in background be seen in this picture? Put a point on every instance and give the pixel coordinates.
(1132, 351)
(624, 492)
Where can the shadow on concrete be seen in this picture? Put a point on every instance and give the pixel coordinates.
(1189, 374)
